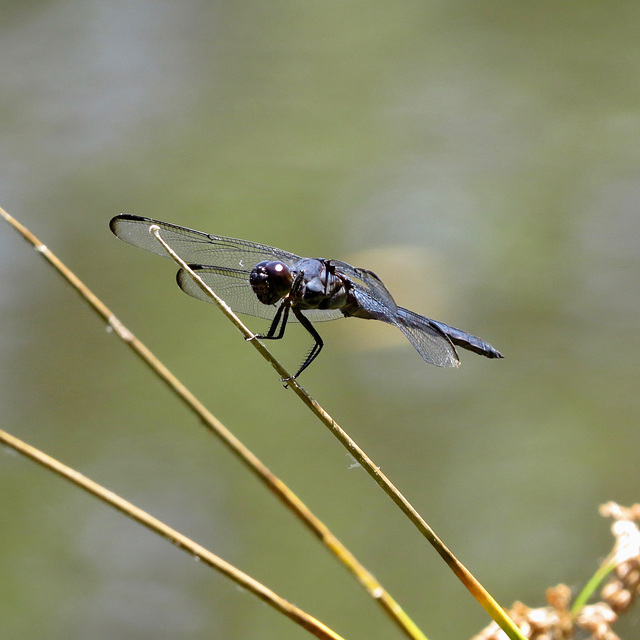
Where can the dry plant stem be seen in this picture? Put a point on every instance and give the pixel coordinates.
(290, 500)
(182, 542)
(465, 576)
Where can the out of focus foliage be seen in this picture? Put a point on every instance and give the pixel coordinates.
(482, 158)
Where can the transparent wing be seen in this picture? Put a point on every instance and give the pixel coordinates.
(428, 338)
(434, 340)
(195, 246)
(369, 290)
(467, 341)
(232, 285)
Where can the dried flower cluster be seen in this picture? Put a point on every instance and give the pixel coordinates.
(624, 584)
(557, 621)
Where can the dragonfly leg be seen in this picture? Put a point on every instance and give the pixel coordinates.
(271, 334)
(317, 347)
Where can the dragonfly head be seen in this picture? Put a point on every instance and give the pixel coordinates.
(271, 280)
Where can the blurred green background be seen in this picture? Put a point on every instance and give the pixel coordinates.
(482, 158)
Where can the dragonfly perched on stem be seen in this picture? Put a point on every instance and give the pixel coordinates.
(282, 287)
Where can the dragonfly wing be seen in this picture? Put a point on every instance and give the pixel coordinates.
(467, 341)
(368, 289)
(195, 246)
(416, 324)
(320, 315)
(232, 285)
(428, 338)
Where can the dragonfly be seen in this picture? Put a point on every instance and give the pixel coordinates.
(282, 287)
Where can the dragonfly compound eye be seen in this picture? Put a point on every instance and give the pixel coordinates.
(271, 281)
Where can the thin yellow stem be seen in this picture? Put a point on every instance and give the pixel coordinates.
(187, 545)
